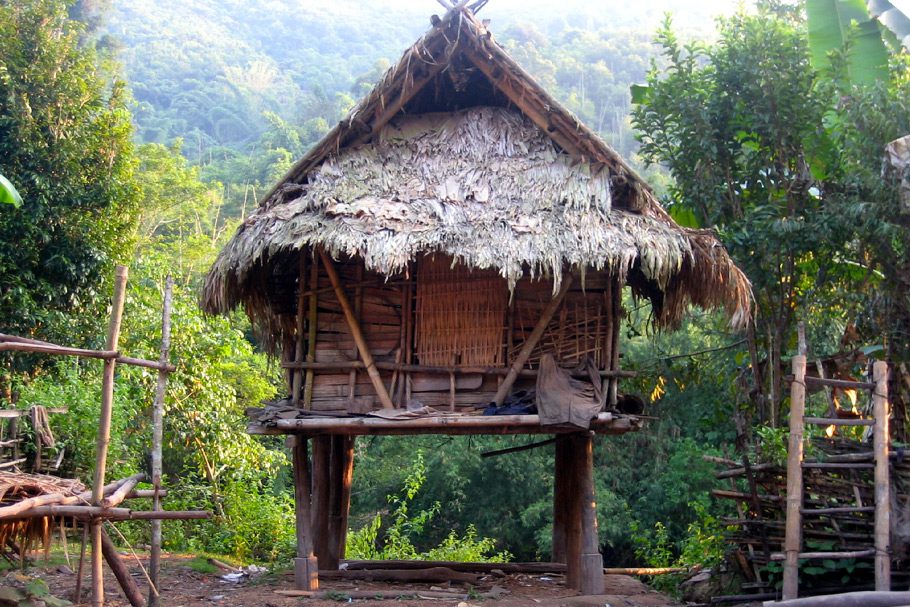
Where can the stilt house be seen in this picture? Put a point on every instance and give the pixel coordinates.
(459, 239)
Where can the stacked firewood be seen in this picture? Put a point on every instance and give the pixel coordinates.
(838, 503)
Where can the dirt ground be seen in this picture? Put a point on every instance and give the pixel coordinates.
(182, 586)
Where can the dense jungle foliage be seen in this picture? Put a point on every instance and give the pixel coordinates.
(142, 131)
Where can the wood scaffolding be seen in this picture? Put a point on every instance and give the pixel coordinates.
(100, 504)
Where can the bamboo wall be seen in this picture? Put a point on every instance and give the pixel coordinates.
(448, 327)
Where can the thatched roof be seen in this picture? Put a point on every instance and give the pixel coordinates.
(514, 183)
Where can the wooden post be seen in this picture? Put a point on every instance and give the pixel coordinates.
(793, 534)
(562, 489)
(311, 334)
(584, 563)
(322, 461)
(104, 432)
(532, 340)
(356, 333)
(297, 377)
(341, 474)
(616, 325)
(592, 564)
(158, 439)
(306, 567)
(880, 439)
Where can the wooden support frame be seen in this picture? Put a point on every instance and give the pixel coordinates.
(319, 517)
(531, 342)
(356, 332)
(562, 492)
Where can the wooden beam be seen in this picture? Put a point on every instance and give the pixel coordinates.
(104, 431)
(532, 340)
(344, 365)
(356, 332)
(121, 571)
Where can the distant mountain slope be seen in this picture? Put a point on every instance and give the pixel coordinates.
(209, 71)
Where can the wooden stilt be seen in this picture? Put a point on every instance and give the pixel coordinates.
(306, 568)
(592, 579)
(584, 563)
(341, 476)
(562, 453)
(321, 487)
(880, 439)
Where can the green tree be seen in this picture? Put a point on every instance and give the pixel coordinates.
(739, 124)
(65, 141)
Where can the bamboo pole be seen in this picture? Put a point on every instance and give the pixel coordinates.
(793, 535)
(344, 365)
(121, 572)
(158, 440)
(357, 333)
(882, 482)
(312, 315)
(117, 496)
(532, 341)
(297, 381)
(104, 432)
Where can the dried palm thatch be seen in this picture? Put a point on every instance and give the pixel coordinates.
(518, 186)
(16, 487)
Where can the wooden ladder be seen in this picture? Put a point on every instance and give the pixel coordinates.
(882, 510)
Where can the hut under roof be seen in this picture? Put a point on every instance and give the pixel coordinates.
(459, 241)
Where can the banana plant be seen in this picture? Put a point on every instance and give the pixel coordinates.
(8, 193)
(835, 25)
(894, 15)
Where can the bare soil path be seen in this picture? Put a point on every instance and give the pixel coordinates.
(183, 586)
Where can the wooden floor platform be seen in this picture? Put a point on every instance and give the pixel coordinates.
(604, 423)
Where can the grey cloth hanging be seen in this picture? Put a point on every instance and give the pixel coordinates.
(562, 399)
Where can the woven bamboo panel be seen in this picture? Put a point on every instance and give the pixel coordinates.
(578, 330)
(460, 314)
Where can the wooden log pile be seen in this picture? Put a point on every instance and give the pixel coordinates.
(838, 507)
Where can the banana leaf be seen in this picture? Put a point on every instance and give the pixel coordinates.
(8, 193)
(838, 24)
